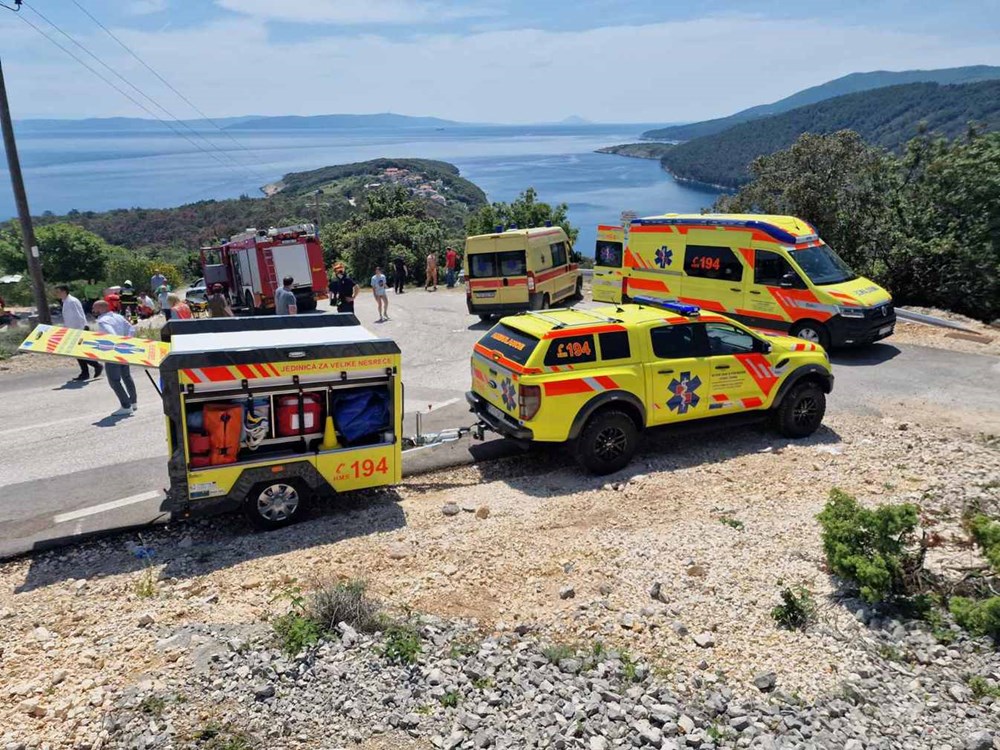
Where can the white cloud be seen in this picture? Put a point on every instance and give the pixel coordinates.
(346, 12)
(652, 73)
(145, 7)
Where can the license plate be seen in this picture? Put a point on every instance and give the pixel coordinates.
(485, 295)
(495, 412)
(884, 330)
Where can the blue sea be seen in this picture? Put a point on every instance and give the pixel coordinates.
(92, 169)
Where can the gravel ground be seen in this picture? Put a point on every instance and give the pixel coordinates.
(104, 649)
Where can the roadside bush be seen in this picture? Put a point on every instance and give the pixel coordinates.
(296, 632)
(979, 617)
(874, 549)
(402, 644)
(797, 609)
(986, 532)
(335, 602)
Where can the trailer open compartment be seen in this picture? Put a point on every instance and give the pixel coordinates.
(284, 407)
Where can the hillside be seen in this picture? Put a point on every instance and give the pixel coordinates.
(437, 185)
(849, 84)
(638, 150)
(885, 117)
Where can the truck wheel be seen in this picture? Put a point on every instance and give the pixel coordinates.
(486, 318)
(271, 505)
(801, 411)
(607, 443)
(248, 302)
(812, 331)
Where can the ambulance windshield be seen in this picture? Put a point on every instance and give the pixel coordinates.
(822, 265)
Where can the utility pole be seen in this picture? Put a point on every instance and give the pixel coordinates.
(21, 199)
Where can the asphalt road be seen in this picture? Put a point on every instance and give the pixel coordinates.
(68, 469)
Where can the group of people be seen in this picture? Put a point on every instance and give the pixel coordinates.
(119, 376)
(344, 290)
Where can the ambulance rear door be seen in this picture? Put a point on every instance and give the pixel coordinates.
(609, 270)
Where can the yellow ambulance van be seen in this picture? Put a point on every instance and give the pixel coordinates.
(770, 272)
(519, 269)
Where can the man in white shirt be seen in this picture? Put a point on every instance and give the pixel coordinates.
(119, 376)
(381, 292)
(74, 317)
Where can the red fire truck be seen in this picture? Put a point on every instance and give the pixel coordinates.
(252, 264)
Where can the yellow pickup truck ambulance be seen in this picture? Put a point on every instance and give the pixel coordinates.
(262, 413)
(771, 272)
(519, 269)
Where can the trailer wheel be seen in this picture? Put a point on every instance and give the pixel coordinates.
(273, 504)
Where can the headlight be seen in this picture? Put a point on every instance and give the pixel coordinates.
(852, 312)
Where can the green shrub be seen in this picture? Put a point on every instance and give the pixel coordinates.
(983, 689)
(979, 617)
(797, 609)
(986, 532)
(872, 548)
(332, 603)
(295, 632)
(556, 652)
(402, 644)
(450, 699)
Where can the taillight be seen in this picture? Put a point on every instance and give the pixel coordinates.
(531, 281)
(529, 399)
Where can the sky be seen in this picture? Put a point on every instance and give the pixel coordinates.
(510, 61)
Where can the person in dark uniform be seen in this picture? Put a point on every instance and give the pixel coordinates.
(399, 275)
(343, 290)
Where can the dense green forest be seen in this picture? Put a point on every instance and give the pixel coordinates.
(849, 84)
(924, 222)
(638, 150)
(886, 117)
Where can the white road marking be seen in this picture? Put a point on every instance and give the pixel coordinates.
(95, 509)
(43, 425)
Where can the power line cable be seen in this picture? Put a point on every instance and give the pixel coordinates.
(165, 82)
(128, 96)
(142, 93)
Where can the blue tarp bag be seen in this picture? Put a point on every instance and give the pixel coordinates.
(361, 413)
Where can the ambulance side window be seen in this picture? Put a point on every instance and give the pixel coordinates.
(770, 268)
(725, 339)
(677, 341)
(614, 345)
(712, 262)
(558, 253)
(571, 350)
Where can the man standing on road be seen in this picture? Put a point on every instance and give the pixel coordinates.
(119, 376)
(381, 292)
(399, 265)
(432, 273)
(74, 317)
(343, 290)
(284, 299)
(157, 280)
(451, 266)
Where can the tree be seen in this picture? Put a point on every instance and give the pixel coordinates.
(68, 252)
(390, 201)
(525, 212)
(925, 225)
(362, 245)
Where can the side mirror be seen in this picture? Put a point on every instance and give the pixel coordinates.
(764, 347)
(788, 281)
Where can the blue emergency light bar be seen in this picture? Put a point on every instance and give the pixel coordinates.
(671, 305)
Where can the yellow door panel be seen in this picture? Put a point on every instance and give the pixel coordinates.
(94, 345)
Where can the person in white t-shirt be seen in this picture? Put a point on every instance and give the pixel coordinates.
(380, 290)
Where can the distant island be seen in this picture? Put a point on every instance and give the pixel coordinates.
(647, 150)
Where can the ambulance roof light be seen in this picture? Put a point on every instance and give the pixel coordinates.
(690, 311)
